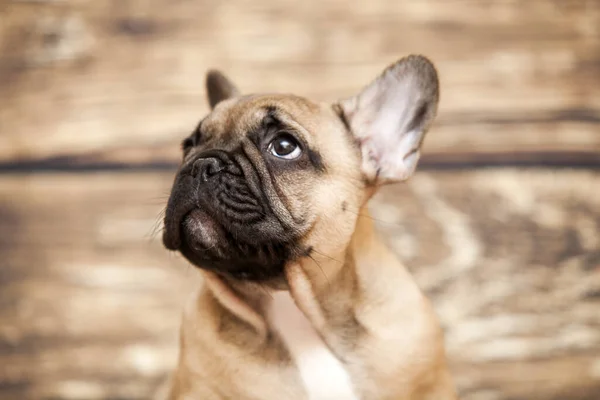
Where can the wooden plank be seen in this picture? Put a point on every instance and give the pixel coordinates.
(126, 81)
(90, 301)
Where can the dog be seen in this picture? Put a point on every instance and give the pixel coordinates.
(300, 297)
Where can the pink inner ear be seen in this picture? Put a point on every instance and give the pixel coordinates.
(397, 161)
(393, 139)
(390, 118)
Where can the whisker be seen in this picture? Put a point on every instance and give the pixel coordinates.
(325, 255)
(265, 290)
(157, 226)
(321, 268)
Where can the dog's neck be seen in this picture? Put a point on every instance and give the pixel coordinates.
(366, 269)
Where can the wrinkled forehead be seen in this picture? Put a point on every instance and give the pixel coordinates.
(233, 118)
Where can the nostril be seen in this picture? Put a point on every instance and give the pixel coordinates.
(206, 168)
(213, 169)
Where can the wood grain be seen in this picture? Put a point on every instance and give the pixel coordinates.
(122, 81)
(90, 301)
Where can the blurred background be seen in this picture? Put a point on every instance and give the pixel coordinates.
(500, 226)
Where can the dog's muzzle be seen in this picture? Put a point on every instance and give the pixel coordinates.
(220, 219)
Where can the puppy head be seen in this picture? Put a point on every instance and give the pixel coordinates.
(267, 179)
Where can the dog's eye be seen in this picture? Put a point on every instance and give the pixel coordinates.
(187, 144)
(285, 146)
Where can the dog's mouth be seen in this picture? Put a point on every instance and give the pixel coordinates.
(209, 245)
(200, 232)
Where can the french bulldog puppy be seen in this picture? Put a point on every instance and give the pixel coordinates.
(300, 297)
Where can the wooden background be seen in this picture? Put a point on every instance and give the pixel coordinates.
(501, 226)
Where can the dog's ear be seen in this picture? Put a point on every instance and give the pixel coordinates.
(390, 117)
(219, 88)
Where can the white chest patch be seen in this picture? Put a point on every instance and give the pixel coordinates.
(323, 375)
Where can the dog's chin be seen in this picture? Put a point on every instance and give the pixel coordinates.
(208, 245)
(201, 232)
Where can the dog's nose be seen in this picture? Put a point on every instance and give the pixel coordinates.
(206, 168)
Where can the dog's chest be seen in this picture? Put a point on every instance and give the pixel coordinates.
(323, 375)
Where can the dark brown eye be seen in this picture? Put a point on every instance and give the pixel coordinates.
(187, 144)
(285, 146)
(194, 139)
